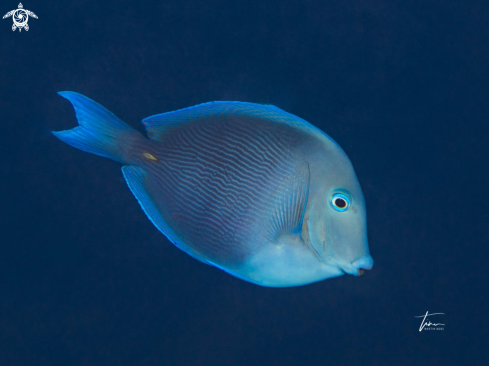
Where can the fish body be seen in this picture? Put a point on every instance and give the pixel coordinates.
(248, 188)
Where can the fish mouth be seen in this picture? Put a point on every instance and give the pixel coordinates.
(356, 268)
(362, 264)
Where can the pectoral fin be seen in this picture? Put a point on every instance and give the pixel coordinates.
(288, 203)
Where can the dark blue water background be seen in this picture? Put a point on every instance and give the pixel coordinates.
(402, 86)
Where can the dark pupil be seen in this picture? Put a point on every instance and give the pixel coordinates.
(340, 203)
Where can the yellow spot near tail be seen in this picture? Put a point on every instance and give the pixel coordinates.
(149, 156)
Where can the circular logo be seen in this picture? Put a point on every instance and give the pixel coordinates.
(20, 18)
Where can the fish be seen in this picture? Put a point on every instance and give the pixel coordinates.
(248, 188)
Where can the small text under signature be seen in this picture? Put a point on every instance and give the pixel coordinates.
(425, 323)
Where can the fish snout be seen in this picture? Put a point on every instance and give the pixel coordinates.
(362, 264)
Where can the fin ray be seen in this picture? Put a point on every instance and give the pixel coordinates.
(99, 132)
(289, 203)
(158, 124)
(136, 179)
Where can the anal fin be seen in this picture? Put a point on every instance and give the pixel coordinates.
(137, 180)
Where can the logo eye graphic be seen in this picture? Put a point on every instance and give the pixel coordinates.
(340, 202)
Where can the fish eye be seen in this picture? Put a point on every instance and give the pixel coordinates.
(340, 202)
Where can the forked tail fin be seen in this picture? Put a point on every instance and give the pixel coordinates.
(99, 132)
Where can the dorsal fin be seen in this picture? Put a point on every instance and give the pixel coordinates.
(158, 124)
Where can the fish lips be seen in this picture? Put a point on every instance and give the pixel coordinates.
(365, 263)
(357, 267)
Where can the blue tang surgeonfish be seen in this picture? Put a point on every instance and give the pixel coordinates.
(248, 188)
